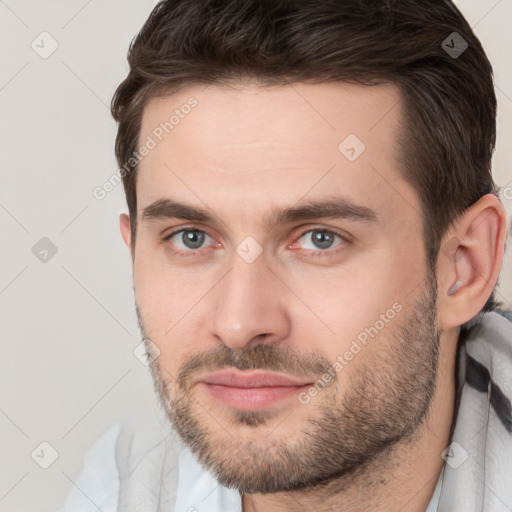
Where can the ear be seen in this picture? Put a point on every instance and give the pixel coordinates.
(124, 225)
(470, 261)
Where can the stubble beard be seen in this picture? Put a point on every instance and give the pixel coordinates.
(386, 404)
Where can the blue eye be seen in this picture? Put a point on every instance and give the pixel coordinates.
(191, 239)
(321, 238)
(322, 242)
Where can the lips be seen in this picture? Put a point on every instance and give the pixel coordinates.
(251, 390)
(252, 379)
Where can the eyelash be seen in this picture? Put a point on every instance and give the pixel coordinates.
(318, 253)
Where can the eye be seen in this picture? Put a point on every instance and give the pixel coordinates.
(321, 240)
(187, 241)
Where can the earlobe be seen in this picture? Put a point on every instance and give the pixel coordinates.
(471, 261)
(124, 225)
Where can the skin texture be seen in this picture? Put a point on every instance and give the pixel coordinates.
(372, 439)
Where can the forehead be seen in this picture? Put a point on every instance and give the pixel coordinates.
(246, 145)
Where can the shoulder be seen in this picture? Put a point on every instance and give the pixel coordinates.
(97, 486)
(490, 337)
(489, 361)
(133, 465)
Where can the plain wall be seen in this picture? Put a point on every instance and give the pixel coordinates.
(68, 324)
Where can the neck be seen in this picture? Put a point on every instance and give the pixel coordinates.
(402, 478)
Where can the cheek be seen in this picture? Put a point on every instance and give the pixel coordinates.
(354, 302)
(163, 293)
(338, 303)
(169, 303)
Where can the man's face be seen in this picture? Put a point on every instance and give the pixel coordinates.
(293, 348)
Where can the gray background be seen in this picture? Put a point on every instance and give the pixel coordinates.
(68, 322)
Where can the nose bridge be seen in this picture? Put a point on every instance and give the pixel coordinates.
(249, 303)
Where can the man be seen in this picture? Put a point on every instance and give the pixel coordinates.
(315, 236)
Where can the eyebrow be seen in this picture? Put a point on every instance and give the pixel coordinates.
(329, 208)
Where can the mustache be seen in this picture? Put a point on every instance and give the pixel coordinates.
(257, 357)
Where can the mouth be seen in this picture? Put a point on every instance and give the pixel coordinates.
(251, 390)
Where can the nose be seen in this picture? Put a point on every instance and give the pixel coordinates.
(250, 306)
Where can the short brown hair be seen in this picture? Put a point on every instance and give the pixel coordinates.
(449, 105)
